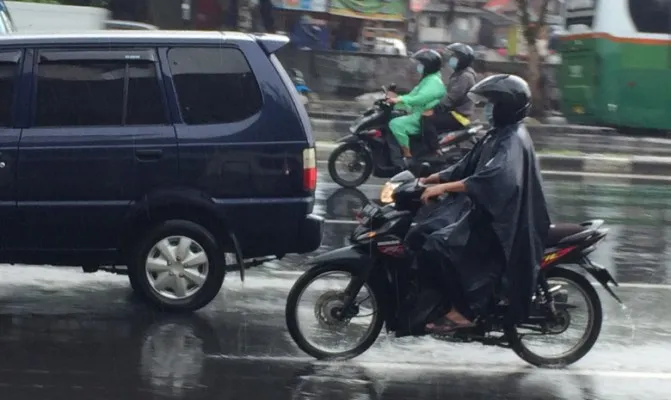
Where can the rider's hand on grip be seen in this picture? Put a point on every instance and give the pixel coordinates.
(431, 193)
(434, 178)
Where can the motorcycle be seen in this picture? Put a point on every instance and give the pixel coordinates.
(369, 142)
(377, 267)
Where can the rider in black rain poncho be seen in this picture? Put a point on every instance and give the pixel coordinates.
(487, 237)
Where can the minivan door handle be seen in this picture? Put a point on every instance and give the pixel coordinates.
(148, 154)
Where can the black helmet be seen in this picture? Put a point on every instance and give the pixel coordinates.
(430, 59)
(464, 54)
(509, 96)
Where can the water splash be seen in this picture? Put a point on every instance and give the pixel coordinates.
(627, 312)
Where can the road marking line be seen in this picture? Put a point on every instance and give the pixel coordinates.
(641, 285)
(329, 184)
(656, 286)
(399, 365)
(608, 175)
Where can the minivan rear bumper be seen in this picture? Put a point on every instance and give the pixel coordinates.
(275, 228)
(310, 235)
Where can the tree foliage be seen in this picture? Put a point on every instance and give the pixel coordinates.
(531, 30)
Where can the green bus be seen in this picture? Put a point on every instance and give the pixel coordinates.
(616, 64)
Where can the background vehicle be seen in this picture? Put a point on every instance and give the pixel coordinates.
(129, 25)
(300, 85)
(377, 268)
(390, 46)
(164, 182)
(368, 150)
(34, 17)
(615, 64)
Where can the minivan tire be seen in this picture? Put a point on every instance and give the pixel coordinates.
(203, 239)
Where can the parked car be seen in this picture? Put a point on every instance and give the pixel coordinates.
(159, 151)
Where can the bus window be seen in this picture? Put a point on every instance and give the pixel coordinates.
(651, 16)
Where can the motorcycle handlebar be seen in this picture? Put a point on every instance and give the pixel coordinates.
(391, 88)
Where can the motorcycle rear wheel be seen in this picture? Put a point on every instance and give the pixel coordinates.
(590, 338)
(294, 328)
(365, 158)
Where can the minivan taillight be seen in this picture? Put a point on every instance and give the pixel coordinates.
(309, 169)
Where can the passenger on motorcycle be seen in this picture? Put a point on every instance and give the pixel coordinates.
(486, 238)
(456, 107)
(423, 97)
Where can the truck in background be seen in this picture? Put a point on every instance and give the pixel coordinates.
(18, 16)
(33, 17)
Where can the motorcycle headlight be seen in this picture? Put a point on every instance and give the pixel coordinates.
(387, 193)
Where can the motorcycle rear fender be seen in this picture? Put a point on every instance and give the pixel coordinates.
(348, 139)
(602, 276)
(356, 256)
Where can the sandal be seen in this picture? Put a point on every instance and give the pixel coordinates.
(445, 325)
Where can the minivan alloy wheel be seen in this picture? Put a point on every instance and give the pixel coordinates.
(177, 267)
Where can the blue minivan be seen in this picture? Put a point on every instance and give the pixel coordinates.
(159, 151)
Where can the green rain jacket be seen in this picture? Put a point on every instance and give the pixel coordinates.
(426, 95)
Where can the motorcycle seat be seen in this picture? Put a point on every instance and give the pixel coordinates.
(574, 233)
(431, 158)
(559, 232)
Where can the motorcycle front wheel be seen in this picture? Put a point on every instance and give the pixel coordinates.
(578, 305)
(360, 165)
(338, 334)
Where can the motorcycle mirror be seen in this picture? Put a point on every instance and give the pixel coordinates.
(425, 170)
(392, 87)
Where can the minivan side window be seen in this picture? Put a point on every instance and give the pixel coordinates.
(8, 79)
(91, 93)
(214, 85)
(145, 96)
(79, 93)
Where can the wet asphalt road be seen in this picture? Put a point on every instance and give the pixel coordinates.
(69, 335)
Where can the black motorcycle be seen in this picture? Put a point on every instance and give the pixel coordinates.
(368, 143)
(380, 284)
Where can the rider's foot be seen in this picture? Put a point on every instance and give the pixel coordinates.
(450, 322)
(456, 316)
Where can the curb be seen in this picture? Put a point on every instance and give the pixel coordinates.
(344, 119)
(578, 167)
(575, 138)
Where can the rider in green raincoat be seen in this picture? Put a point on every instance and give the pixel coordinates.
(421, 100)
